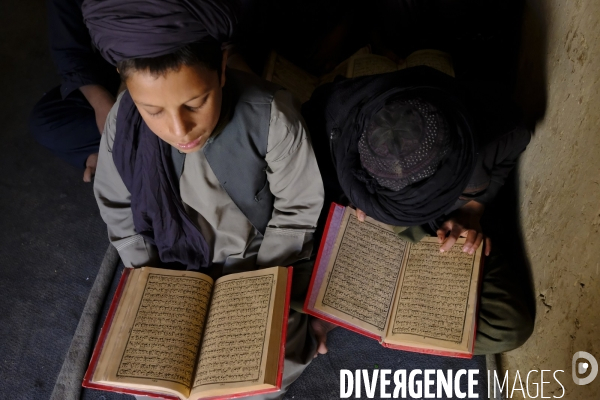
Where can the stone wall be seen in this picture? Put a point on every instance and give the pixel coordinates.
(559, 190)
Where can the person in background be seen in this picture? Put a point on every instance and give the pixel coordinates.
(424, 152)
(69, 119)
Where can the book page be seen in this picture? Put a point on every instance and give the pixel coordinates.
(370, 64)
(362, 274)
(342, 68)
(436, 296)
(283, 72)
(295, 79)
(432, 58)
(156, 340)
(241, 327)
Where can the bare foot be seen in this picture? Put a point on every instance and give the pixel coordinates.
(321, 328)
(90, 167)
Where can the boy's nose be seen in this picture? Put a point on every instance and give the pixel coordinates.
(179, 127)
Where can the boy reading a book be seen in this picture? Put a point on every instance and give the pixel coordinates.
(201, 167)
(418, 150)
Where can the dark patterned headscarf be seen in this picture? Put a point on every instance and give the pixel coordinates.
(404, 143)
(123, 29)
(418, 149)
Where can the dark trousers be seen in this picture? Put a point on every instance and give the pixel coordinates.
(67, 127)
(505, 321)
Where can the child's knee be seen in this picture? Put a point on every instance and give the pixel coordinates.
(505, 331)
(522, 328)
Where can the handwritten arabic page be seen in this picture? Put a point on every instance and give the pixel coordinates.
(370, 64)
(407, 295)
(436, 297)
(157, 332)
(342, 68)
(283, 72)
(241, 345)
(432, 58)
(362, 274)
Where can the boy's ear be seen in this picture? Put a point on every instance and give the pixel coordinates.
(224, 66)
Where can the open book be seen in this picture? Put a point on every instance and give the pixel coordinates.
(179, 335)
(409, 296)
(371, 64)
(283, 72)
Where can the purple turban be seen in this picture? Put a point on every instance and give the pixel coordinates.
(123, 29)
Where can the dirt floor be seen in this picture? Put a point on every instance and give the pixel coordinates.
(559, 192)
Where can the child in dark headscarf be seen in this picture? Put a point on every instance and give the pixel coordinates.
(417, 150)
(202, 167)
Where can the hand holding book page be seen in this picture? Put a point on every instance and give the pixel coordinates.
(407, 295)
(431, 301)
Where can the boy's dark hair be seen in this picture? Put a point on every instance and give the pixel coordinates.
(206, 54)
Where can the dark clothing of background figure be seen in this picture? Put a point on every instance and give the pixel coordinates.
(318, 34)
(315, 35)
(505, 320)
(500, 136)
(63, 121)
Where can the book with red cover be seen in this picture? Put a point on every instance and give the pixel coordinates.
(89, 382)
(406, 295)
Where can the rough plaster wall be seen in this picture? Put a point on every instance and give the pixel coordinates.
(559, 186)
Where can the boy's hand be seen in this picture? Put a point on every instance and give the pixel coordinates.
(464, 222)
(360, 215)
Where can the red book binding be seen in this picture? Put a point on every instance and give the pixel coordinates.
(87, 380)
(330, 234)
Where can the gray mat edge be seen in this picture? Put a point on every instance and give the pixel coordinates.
(68, 383)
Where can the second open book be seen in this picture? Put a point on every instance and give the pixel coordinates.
(302, 84)
(409, 296)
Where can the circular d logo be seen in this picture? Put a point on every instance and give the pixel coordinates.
(583, 367)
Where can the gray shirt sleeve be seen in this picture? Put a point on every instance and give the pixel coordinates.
(115, 205)
(296, 183)
(294, 180)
